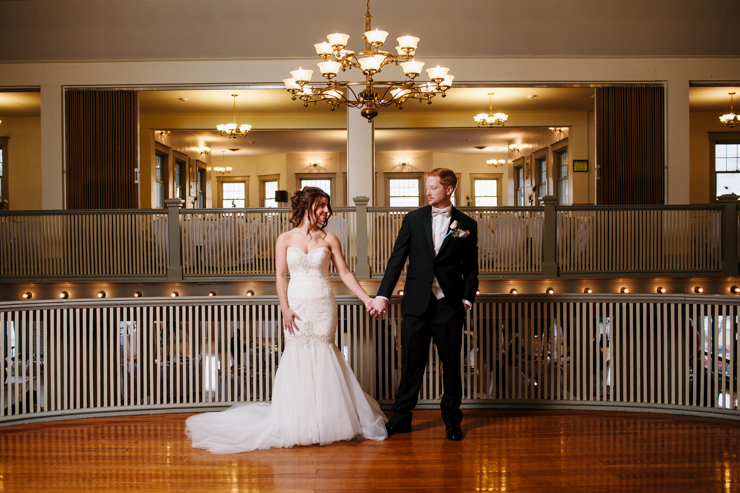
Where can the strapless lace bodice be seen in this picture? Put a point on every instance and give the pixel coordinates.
(310, 296)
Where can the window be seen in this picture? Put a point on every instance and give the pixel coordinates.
(324, 181)
(485, 193)
(180, 178)
(233, 192)
(561, 164)
(160, 177)
(404, 192)
(726, 168)
(3, 173)
(268, 187)
(540, 175)
(201, 188)
(519, 185)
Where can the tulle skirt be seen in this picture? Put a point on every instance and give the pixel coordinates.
(316, 399)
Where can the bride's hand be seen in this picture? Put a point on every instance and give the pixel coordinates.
(289, 318)
(368, 303)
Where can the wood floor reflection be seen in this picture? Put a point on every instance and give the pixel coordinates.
(518, 451)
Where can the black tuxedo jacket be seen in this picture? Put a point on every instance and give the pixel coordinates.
(456, 266)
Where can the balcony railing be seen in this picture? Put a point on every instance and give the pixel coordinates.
(671, 353)
(533, 242)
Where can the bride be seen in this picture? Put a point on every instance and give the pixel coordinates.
(316, 397)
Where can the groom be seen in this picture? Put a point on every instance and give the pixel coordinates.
(441, 245)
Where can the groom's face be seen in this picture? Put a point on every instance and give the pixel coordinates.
(437, 194)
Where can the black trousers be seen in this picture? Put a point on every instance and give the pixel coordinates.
(442, 322)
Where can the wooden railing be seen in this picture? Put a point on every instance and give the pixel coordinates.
(548, 241)
(670, 353)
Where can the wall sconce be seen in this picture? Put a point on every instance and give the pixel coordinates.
(404, 163)
(250, 293)
(588, 290)
(314, 164)
(400, 292)
(205, 150)
(27, 296)
(661, 290)
(101, 294)
(164, 132)
(734, 290)
(477, 292)
(550, 291)
(556, 129)
(64, 295)
(513, 291)
(211, 293)
(698, 289)
(175, 294)
(137, 294)
(514, 148)
(624, 290)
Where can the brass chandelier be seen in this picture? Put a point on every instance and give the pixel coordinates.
(491, 119)
(223, 169)
(730, 119)
(368, 94)
(230, 129)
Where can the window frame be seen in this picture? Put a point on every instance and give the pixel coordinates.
(403, 176)
(184, 159)
(557, 150)
(538, 157)
(164, 151)
(200, 193)
(714, 139)
(499, 177)
(220, 180)
(317, 176)
(4, 187)
(263, 180)
(519, 186)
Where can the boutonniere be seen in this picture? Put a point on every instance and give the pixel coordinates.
(455, 232)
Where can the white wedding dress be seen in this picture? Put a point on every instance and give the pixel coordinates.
(316, 397)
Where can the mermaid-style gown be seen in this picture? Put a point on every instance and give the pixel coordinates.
(316, 397)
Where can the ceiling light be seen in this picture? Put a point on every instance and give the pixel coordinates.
(223, 169)
(137, 294)
(175, 294)
(211, 293)
(730, 119)
(491, 119)
(496, 162)
(550, 291)
(205, 150)
(556, 129)
(514, 148)
(368, 94)
(404, 163)
(314, 164)
(230, 129)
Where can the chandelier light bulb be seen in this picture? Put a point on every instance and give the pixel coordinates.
(447, 82)
(324, 49)
(302, 75)
(291, 84)
(407, 43)
(371, 64)
(376, 37)
(338, 40)
(438, 73)
(412, 68)
(230, 129)
(329, 68)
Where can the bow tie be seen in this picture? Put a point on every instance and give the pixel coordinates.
(441, 212)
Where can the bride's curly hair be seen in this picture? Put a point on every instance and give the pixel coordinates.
(305, 200)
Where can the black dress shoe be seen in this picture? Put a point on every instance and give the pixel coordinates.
(454, 432)
(396, 428)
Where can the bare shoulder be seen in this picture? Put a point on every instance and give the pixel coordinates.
(283, 240)
(332, 239)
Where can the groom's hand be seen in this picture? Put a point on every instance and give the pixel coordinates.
(379, 307)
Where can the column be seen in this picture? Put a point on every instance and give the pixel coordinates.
(52, 147)
(677, 142)
(360, 156)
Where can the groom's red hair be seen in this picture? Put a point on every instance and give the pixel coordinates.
(446, 176)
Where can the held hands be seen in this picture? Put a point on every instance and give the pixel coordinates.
(379, 307)
(289, 318)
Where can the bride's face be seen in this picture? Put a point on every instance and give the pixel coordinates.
(321, 210)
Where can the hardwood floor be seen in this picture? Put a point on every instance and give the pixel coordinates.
(513, 451)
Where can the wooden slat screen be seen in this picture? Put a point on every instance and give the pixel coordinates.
(102, 149)
(630, 149)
